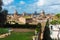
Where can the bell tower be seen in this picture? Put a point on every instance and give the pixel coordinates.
(42, 14)
(15, 12)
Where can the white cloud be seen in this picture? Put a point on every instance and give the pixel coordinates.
(4, 7)
(47, 2)
(40, 2)
(48, 5)
(22, 2)
(55, 7)
(12, 7)
(6, 2)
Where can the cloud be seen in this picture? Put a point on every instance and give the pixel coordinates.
(47, 2)
(7, 2)
(52, 9)
(51, 6)
(47, 5)
(55, 7)
(40, 2)
(12, 7)
(22, 2)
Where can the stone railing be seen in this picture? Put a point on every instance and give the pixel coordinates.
(35, 37)
(6, 34)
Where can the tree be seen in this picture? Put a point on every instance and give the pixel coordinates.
(1, 3)
(3, 14)
(54, 22)
(39, 30)
(0, 11)
(58, 15)
(46, 34)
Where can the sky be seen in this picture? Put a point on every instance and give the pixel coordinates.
(30, 6)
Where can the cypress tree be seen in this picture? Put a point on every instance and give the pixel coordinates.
(46, 34)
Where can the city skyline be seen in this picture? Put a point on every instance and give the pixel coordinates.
(30, 6)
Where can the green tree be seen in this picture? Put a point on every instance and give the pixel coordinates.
(58, 21)
(54, 22)
(46, 34)
(39, 30)
(3, 14)
(58, 15)
(0, 12)
(38, 27)
(1, 3)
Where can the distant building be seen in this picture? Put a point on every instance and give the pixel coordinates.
(16, 18)
(22, 20)
(24, 14)
(28, 18)
(25, 20)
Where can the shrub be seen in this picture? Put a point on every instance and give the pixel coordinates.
(55, 22)
(30, 26)
(38, 28)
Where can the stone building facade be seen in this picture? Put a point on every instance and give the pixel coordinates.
(23, 18)
(16, 18)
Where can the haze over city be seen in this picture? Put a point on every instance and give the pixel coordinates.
(29, 6)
